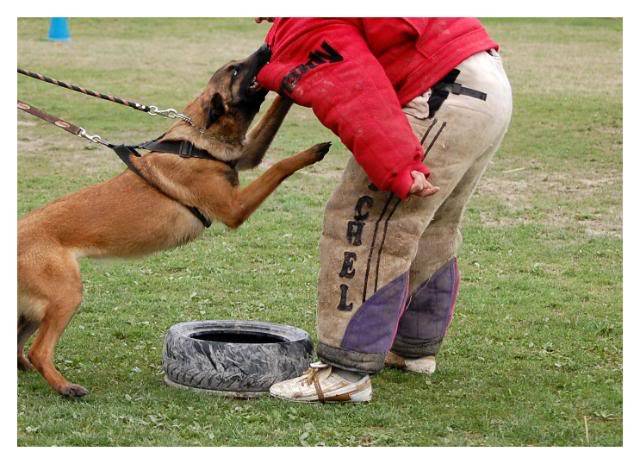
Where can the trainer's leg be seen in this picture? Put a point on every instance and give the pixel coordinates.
(434, 275)
(358, 308)
(370, 238)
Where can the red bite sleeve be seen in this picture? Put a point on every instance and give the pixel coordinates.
(327, 66)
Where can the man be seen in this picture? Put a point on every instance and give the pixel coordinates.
(423, 104)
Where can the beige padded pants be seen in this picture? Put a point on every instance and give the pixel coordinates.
(388, 275)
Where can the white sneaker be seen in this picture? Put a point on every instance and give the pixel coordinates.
(424, 365)
(324, 383)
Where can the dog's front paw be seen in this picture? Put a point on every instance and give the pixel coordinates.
(320, 150)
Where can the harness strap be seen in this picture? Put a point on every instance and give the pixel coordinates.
(125, 152)
(448, 84)
(183, 148)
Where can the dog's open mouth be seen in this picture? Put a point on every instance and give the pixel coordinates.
(254, 93)
(254, 87)
(251, 91)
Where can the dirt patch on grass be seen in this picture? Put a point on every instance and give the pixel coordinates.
(554, 199)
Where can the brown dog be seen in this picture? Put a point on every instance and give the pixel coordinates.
(131, 216)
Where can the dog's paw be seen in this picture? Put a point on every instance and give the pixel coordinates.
(73, 390)
(321, 149)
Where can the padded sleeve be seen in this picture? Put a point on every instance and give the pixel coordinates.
(327, 65)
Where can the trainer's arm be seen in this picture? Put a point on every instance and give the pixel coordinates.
(352, 96)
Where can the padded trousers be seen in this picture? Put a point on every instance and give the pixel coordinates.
(388, 271)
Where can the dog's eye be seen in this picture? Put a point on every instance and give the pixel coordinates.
(234, 73)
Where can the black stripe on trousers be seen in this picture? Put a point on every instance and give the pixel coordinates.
(373, 242)
(393, 210)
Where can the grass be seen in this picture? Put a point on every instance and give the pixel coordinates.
(535, 350)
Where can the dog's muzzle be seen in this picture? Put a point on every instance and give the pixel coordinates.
(257, 60)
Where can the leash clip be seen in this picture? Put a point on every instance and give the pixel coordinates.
(170, 113)
(93, 138)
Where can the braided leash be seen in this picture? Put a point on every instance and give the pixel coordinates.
(149, 109)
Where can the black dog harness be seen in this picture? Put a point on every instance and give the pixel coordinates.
(182, 148)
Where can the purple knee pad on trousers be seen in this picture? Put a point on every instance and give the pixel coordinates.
(371, 330)
(426, 320)
(373, 326)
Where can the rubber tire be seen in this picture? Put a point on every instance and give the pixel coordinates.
(232, 367)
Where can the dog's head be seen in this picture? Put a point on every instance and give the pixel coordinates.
(222, 113)
(233, 96)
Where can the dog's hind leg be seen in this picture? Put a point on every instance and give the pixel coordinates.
(26, 328)
(63, 293)
(42, 351)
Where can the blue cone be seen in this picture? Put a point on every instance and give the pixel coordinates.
(59, 29)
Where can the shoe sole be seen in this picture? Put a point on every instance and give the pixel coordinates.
(358, 397)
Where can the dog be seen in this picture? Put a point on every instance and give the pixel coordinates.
(161, 202)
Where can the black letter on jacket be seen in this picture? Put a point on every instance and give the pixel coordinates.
(328, 54)
(331, 55)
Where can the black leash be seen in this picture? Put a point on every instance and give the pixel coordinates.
(125, 152)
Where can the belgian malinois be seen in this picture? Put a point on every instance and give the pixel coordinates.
(139, 213)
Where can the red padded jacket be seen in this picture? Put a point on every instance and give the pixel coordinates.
(356, 74)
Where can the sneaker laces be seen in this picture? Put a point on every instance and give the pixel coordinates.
(311, 377)
(311, 374)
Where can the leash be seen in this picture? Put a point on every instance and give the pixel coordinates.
(62, 124)
(125, 152)
(151, 110)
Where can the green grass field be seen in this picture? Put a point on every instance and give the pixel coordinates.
(534, 355)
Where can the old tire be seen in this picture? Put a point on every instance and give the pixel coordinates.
(235, 358)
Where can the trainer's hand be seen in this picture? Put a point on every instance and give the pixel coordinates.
(421, 187)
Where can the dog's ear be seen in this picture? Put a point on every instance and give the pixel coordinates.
(216, 108)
